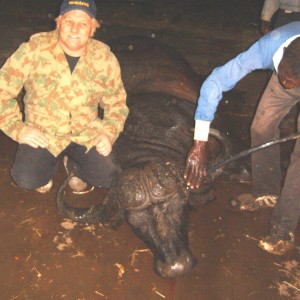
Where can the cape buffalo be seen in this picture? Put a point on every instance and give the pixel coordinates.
(150, 193)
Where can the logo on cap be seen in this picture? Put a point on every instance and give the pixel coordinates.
(79, 3)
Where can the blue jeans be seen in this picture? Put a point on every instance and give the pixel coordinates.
(34, 167)
(274, 105)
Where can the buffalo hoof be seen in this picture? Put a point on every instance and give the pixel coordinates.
(180, 266)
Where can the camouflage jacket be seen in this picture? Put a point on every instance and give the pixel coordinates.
(62, 105)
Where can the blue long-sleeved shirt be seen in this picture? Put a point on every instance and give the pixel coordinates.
(224, 78)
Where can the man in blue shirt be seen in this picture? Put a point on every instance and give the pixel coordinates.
(279, 50)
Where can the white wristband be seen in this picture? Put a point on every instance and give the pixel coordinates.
(201, 130)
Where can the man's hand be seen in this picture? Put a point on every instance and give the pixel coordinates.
(103, 145)
(33, 137)
(265, 27)
(195, 168)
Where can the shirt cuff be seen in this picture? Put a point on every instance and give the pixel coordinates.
(201, 130)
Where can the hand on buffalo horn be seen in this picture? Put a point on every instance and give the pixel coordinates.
(195, 168)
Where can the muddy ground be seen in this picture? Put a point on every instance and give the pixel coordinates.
(43, 256)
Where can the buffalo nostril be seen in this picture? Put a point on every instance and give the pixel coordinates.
(178, 267)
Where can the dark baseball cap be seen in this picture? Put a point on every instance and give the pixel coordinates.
(87, 6)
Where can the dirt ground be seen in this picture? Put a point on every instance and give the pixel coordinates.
(43, 256)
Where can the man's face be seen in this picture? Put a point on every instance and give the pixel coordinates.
(74, 29)
(284, 78)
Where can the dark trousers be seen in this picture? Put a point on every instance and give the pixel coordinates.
(282, 18)
(274, 105)
(34, 168)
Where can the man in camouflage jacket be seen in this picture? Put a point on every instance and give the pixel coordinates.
(66, 75)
